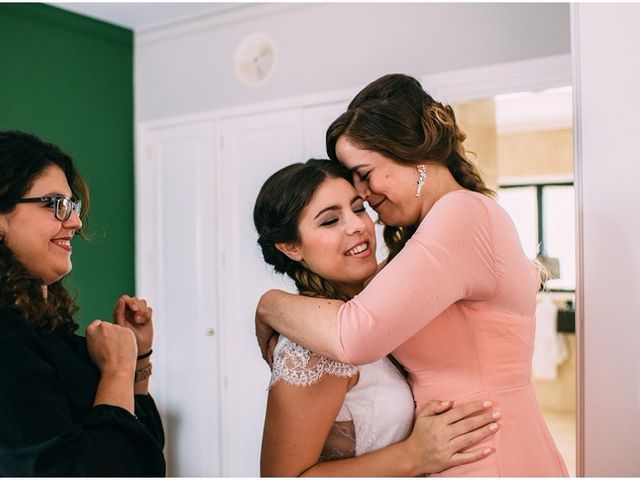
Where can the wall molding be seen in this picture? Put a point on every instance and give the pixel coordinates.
(490, 80)
(211, 21)
(450, 87)
(301, 101)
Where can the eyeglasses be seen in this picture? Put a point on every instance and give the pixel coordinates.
(62, 206)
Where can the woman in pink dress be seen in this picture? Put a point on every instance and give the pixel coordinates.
(328, 418)
(455, 302)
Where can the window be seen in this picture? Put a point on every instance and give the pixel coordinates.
(544, 216)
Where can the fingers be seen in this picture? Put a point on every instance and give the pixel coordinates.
(459, 412)
(470, 439)
(271, 346)
(472, 456)
(93, 325)
(264, 335)
(472, 423)
(99, 328)
(103, 325)
(264, 351)
(264, 347)
(119, 312)
(139, 312)
(434, 407)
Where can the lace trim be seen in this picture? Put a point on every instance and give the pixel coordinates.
(296, 365)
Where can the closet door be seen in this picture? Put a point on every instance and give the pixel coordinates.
(252, 148)
(316, 120)
(176, 270)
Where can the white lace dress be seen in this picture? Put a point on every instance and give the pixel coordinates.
(377, 410)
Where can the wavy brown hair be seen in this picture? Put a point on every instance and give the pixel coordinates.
(276, 216)
(397, 118)
(23, 158)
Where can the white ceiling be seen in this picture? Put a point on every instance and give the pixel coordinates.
(142, 16)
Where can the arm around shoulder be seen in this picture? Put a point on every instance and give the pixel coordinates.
(449, 258)
(306, 320)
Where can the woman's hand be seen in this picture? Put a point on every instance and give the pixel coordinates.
(442, 434)
(267, 337)
(112, 348)
(134, 314)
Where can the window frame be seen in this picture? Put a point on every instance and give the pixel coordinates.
(540, 186)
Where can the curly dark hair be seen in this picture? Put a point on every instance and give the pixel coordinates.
(23, 157)
(396, 117)
(276, 213)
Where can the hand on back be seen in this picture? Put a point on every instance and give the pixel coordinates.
(443, 435)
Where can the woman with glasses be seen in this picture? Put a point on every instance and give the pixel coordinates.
(69, 405)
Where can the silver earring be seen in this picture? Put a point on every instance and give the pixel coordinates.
(422, 171)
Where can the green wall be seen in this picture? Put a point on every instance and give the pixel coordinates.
(69, 79)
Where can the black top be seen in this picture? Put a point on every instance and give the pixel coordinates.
(48, 424)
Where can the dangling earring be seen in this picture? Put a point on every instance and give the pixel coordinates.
(422, 171)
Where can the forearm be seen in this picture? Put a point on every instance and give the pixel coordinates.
(392, 461)
(116, 388)
(142, 387)
(310, 322)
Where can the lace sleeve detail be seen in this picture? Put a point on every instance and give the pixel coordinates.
(296, 365)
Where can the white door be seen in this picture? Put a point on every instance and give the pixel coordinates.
(176, 265)
(316, 120)
(252, 148)
(199, 264)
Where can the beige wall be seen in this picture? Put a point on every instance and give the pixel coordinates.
(478, 120)
(542, 152)
(507, 155)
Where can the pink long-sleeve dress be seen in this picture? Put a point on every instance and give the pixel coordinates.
(457, 308)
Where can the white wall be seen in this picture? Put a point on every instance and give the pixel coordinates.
(607, 76)
(321, 47)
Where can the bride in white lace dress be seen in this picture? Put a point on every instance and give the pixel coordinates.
(326, 418)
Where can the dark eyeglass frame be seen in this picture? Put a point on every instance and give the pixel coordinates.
(57, 201)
